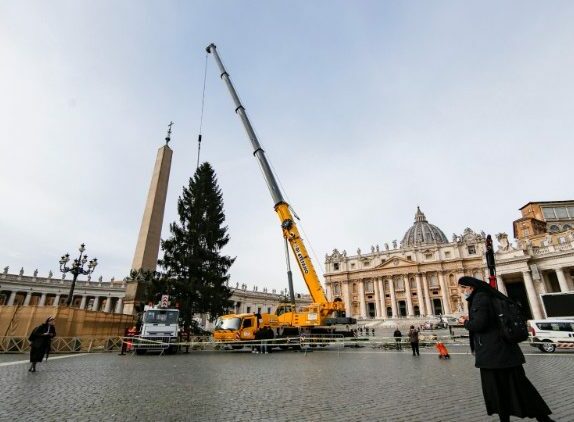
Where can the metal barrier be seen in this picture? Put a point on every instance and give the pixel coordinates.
(64, 344)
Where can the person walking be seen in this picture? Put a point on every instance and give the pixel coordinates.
(398, 338)
(505, 388)
(414, 339)
(40, 342)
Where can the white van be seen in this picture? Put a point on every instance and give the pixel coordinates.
(547, 334)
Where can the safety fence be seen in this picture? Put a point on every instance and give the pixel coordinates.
(88, 344)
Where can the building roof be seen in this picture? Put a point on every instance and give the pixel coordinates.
(546, 203)
(422, 233)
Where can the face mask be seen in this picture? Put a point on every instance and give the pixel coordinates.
(466, 295)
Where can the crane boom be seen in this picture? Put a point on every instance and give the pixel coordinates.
(290, 231)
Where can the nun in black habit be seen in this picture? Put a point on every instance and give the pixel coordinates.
(40, 341)
(505, 387)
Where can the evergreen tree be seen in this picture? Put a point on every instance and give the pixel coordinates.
(196, 272)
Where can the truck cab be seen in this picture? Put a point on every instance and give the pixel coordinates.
(242, 327)
(159, 330)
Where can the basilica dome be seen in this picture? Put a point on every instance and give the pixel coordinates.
(422, 233)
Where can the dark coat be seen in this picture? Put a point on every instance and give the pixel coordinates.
(414, 335)
(491, 351)
(40, 341)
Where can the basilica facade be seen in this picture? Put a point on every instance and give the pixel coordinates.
(417, 277)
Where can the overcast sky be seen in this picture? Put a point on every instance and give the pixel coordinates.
(365, 109)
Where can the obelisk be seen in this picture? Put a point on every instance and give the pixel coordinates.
(147, 248)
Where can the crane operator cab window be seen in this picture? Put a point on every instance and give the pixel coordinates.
(247, 322)
(282, 309)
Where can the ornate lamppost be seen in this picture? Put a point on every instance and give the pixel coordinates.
(76, 269)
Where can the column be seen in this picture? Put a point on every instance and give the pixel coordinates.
(57, 300)
(501, 285)
(42, 300)
(12, 298)
(108, 306)
(96, 304)
(410, 310)
(362, 299)
(28, 297)
(562, 280)
(83, 302)
(445, 295)
(119, 306)
(377, 298)
(532, 296)
(427, 295)
(382, 297)
(393, 297)
(420, 294)
(347, 298)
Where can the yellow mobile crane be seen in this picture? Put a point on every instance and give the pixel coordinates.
(320, 316)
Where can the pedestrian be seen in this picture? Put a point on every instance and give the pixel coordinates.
(414, 339)
(398, 338)
(505, 388)
(40, 342)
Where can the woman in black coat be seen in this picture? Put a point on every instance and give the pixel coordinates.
(40, 341)
(505, 387)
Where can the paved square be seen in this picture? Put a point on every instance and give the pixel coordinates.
(327, 385)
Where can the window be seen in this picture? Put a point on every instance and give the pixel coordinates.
(471, 250)
(409, 257)
(248, 310)
(268, 309)
(447, 254)
(369, 287)
(353, 266)
(554, 228)
(561, 212)
(571, 212)
(366, 264)
(428, 255)
(548, 212)
(247, 323)
(336, 289)
(336, 266)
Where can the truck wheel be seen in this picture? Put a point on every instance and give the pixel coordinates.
(547, 346)
(140, 351)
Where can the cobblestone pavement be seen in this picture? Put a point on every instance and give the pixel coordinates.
(327, 385)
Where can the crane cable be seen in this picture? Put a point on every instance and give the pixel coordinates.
(202, 108)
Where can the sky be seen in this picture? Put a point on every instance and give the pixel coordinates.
(366, 110)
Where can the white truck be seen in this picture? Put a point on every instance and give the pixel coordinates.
(159, 330)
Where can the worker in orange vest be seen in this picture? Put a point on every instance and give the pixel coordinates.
(127, 345)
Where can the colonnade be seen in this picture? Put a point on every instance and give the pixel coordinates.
(57, 298)
(389, 285)
(533, 292)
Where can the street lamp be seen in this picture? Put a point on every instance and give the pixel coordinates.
(76, 269)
